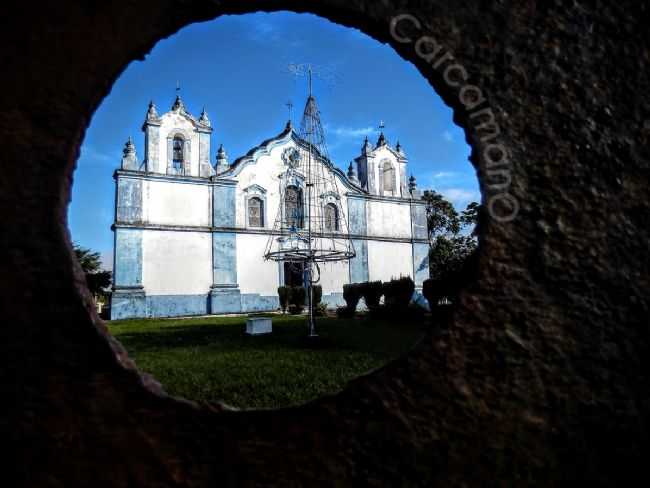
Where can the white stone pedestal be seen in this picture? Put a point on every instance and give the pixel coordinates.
(259, 325)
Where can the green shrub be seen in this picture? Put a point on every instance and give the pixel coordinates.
(344, 312)
(433, 292)
(296, 299)
(320, 310)
(283, 296)
(352, 295)
(372, 292)
(451, 282)
(398, 293)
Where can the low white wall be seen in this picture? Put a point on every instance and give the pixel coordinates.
(176, 263)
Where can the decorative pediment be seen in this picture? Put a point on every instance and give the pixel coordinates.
(200, 125)
(295, 179)
(330, 195)
(254, 189)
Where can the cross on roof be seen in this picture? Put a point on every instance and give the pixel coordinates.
(290, 105)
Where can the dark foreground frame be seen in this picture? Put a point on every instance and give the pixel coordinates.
(542, 375)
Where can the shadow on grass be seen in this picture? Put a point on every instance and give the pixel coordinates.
(289, 333)
(212, 359)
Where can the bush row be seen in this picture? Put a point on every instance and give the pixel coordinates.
(293, 298)
(397, 295)
(450, 283)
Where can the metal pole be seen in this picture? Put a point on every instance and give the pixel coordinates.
(310, 292)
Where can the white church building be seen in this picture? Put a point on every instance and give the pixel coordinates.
(190, 236)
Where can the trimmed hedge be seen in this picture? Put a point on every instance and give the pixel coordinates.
(297, 297)
(352, 295)
(451, 282)
(398, 293)
(283, 296)
(372, 292)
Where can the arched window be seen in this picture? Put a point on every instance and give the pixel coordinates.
(389, 177)
(293, 207)
(255, 212)
(177, 150)
(331, 217)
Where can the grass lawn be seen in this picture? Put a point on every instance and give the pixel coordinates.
(213, 359)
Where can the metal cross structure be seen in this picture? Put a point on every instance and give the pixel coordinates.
(311, 225)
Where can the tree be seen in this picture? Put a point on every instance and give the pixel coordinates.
(450, 239)
(441, 215)
(97, 279)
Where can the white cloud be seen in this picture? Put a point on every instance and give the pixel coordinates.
(460, 197)
(350, 132)
(90, 154)
(444, 174)
(262, 31)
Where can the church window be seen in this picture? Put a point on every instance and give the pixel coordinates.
(177, 147)
(331, 217)
(293, 207)
(389, 177)
(255, 212)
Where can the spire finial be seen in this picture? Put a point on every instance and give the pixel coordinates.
(178, 103)
(204, 119)
(129, 147)
(382, 139)
(412, 185)
(367, 147)
(352, 174)
(222, 161)
(309, 70)
(152, 113)
(129, 158)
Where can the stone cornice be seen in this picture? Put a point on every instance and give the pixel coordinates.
(381, 198)
(192, 180)
(265, 231)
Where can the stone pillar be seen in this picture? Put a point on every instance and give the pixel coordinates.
(128, 297)
(187, 158)
(205, 168)
(359, 263)
(225, 296)
(358, 227)
(420, 243)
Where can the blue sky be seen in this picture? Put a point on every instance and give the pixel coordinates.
(237, 68)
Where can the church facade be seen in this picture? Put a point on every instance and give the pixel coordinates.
(190, 236)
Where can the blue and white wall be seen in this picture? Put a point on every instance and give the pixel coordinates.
(183, 245)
